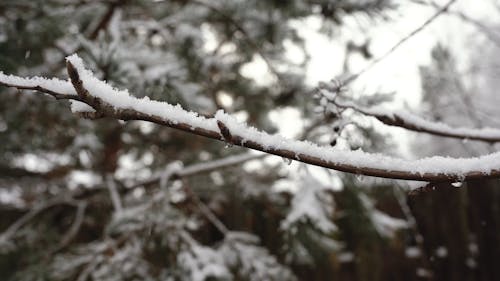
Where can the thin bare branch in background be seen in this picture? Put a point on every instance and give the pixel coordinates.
(11, 231)
(403, 40)
(113, 192)
(487, 31)
(205, 210)
(75, 227)
(202, 168)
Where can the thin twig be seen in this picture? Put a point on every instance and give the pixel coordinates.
(443, 9)
(13, 228)
(402, 200)
(206, 211)
(40, 89)
(75, 227)
(202, 168)
(113, 192)
(495, 38)
(106, 18)
(238, 27)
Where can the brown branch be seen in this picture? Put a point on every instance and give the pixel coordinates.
(13, 228)
(131, 114)
(106, 18)
(206, 211)
(224, 131)
(127, 114)
(40, 89)
(202, 168)
(394, 119)
(75, 227)
(207, 167)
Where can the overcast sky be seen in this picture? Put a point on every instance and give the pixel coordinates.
(399, 71)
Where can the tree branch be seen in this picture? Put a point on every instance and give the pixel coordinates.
(117, 104)
(40, 85)
(245, 34)
(415, 123)
(487, 31)
(75, 227)
(202, 168)
(400, 43)
(13, 228)
(106, 18)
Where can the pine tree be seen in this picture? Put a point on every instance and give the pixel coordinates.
(107, 200)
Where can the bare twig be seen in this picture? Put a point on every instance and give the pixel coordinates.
(41, 89)
(106, 18)
(206, 211)
(92, 34)
(492, 36)
(113, 192)
(202, 168)
(13, 228)
(75, 227)
(443, 9)
(239, 28)
(402, 199)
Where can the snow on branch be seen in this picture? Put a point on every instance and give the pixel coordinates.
(109, 102)
(412, 122)
(57, 88)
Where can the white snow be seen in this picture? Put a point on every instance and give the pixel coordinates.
(203, 263)
(77, 106)
(445, 165)
(54, 84)
(11, 196)
(441, 252)
(384, 224)
(412, 252)
(311, 204)
(442, 127)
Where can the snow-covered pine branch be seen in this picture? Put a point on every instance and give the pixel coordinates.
(99, 99)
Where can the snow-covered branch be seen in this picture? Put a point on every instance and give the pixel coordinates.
(412, 122)
(102, 100)
(57, 88)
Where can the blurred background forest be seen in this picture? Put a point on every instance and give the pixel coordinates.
(110, 200)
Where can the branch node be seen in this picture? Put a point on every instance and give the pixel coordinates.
(96, 103)
(224, 131)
